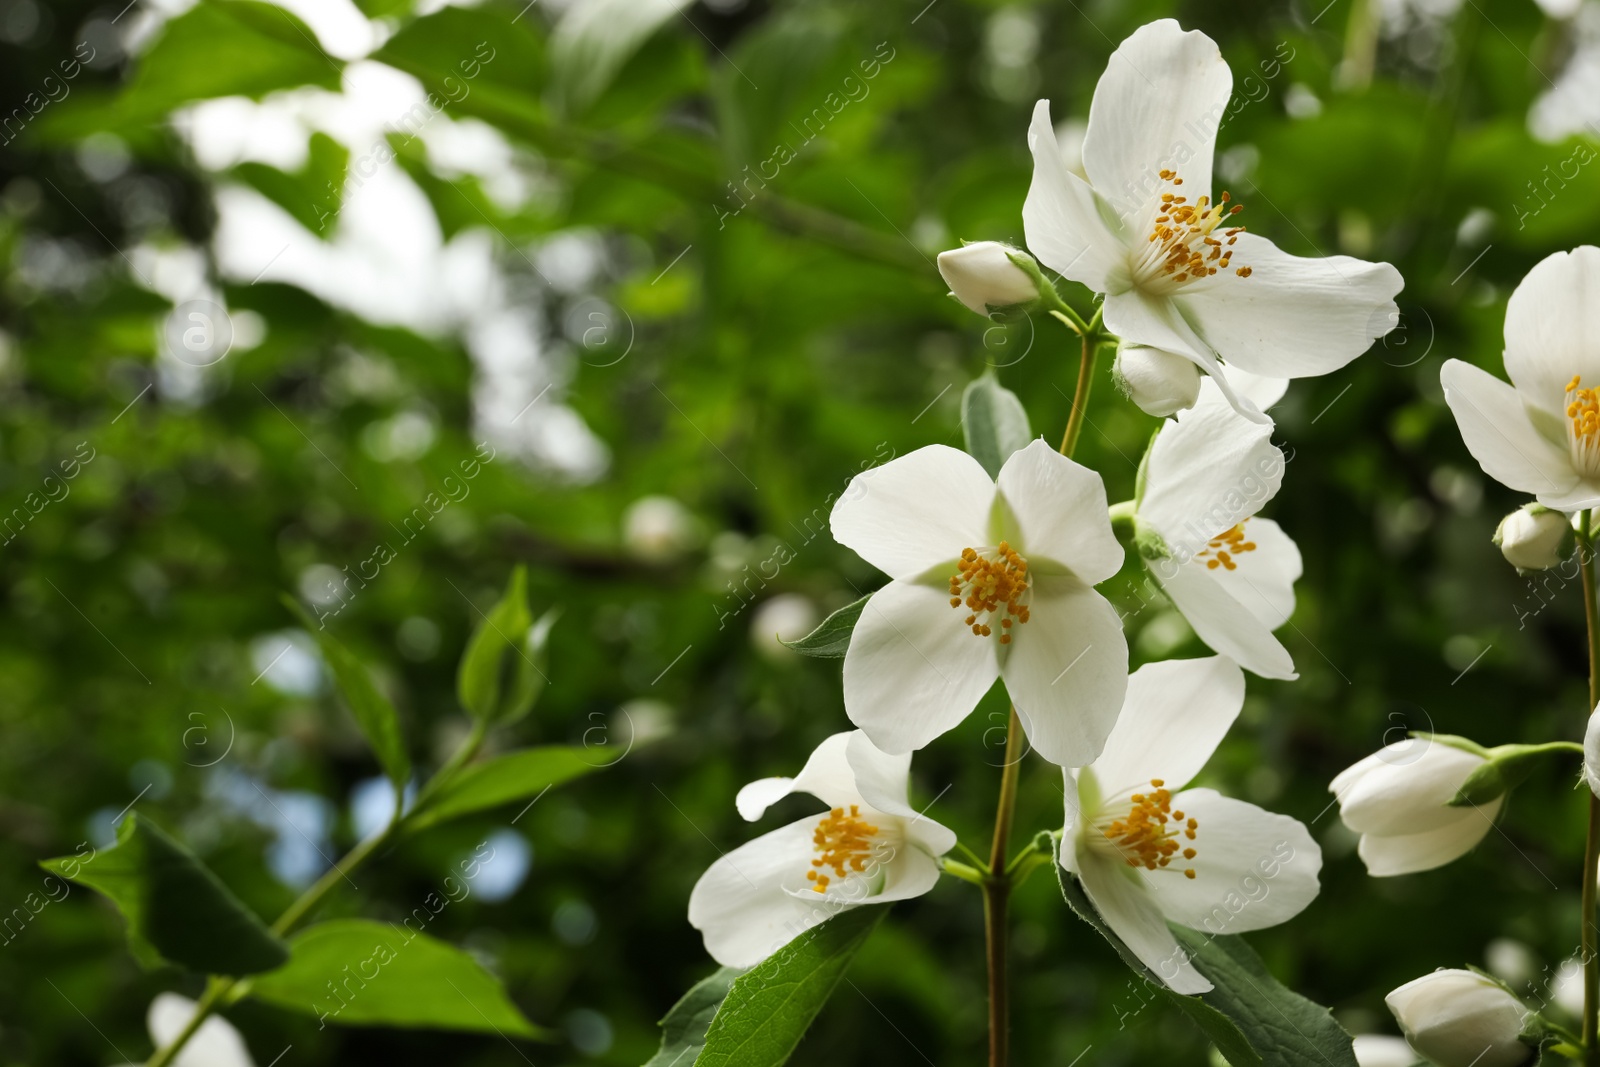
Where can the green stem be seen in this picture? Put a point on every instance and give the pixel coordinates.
(997, 897)
(219, 988)
(1591, 855)
(1080, 395)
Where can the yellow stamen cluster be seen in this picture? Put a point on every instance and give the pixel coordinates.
(985, 582)
(1583, 408)
(1219, 552)
(843, 843)
(1183, 233)
(1145, 839)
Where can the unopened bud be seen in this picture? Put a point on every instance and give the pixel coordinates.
(1159, 382)
(1534, 538)
(1457, 1018)
(982, 275)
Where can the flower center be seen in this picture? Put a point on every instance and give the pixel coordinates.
(1185, 242)
(1151, 834)
(983, 582)
(843, 844)
(1221, 549)
(1583, 428)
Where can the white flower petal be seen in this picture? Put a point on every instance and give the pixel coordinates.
(1207, 471)
(1263, 579)
(884, 782)
(1056, 514)
(1067, 670)
(913, 670)
(1221, 621)
(1061, 217)
(1293, 317)
(1141, 319)
(1381, 1050)
(1386, 856)
(915, 512)
(215, 1044)
(1591, 752)
(1176, 713)
(1158, 105)
(1261, 390)
(1253, 868)
(1127, 907)
(1586, 494)
(741, 904)
(1500, 435)
(1553, 328)
(827, 776)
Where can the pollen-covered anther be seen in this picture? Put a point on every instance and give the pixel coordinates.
(843, 842)
(1189, 241)
(1149, 836)
(1583, 427)
(1221, 549)
(992, 585)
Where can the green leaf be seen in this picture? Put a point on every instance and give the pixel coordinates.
(226, 48)
(378, 720)
(596, 38)
(831, 638)
(312, 195)
(994, 423)
(362, 973)
(503, 780)
(683, 1030)
(501, 672)
(769, 1008)
(457, 51)
(377, 9)
(176, 909)
(1253, 1020)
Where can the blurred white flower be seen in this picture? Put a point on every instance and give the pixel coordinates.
(658, 529)
(989, 578)
(785, 617)
(1147, 856)
(1457, 1018)
(871, 847)
(1398, 800)
(1541, 433)
(981, 275)
(1380, 1050)
(215, 1044)
(1591, 752)
(1177, 273)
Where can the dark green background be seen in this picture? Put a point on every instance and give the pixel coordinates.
(783, 352)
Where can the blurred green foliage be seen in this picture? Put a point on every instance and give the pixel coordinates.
(760, 340)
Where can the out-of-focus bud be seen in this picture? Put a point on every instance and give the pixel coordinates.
(1591, 752)
(1381, 1050)
(785, 617)
(658, 529)
(1159, 382)
(983, 275)
(1534, 538)
(1457, 1018)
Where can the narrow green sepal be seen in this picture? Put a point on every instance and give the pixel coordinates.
(1507, 767)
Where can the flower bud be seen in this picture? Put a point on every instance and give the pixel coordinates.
(1159, 382)
(658, 529)
(1534, 538)
(1398, 800)
(982, 275)
(1457, 1018)
(1591, 752)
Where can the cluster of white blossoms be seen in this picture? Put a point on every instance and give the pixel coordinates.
(994, 578)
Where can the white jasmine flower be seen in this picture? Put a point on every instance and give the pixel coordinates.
(870, 847)
(990, 578)
(1178, 271)
(1230, 573)
(1148, 855)
(215, 1044)
(1541, 433)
